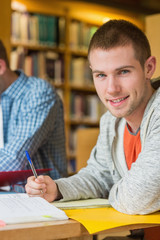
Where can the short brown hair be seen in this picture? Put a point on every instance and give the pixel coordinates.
(3, 53)
(116, 33)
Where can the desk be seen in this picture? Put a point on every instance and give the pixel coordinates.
(55, 230)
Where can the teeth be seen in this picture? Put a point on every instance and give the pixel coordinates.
(118, 100)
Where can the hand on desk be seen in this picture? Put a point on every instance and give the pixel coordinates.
(42, 186)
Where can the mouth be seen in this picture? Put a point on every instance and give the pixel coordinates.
(118, 100)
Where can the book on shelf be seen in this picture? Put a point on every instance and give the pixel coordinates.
(80, 73)
(15, 26)
(77, 74)
(61, 31)
(14, 60)
(33, 30)
(78, 106)
(17, 58)
(80, 34)
(85, 107)
(28, 65)
(93, 107)
(54, 65)
(73, 35)
(81, 26)
(20, 208)
(24, 30)
(41, 65)
(86, 203)
(85, 36)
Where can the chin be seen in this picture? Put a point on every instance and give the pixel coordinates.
(117, 114)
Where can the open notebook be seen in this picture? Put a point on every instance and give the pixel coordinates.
(20, 208)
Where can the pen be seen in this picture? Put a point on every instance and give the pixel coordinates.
(31, 164)
(32, 167)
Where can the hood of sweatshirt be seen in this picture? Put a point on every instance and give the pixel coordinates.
(155, 82)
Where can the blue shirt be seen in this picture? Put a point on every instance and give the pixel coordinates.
(33, 120)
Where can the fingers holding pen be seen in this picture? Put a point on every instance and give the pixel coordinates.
(35, 186)
(42, 186)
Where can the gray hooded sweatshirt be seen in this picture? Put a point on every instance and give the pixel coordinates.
(134, 191)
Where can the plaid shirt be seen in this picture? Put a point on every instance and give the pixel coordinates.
(33, 121)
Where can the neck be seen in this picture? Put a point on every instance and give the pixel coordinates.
(134, 120)
(131, 129)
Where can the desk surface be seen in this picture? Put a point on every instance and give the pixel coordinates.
(54, 230)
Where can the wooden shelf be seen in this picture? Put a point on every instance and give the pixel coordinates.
(37, 47)
(83, 88)
(80, 53)
(87, 122)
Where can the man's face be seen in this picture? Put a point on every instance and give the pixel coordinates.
(119, 80)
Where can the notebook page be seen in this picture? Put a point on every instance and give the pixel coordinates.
(16, 208)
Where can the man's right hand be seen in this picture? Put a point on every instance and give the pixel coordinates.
(42, 186)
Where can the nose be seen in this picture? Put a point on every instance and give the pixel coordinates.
(112, 85)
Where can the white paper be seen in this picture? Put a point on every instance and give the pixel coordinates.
(18, 208)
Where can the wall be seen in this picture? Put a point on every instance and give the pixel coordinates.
(152, 30)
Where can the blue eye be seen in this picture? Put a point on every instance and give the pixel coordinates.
(101, 75)
(124, 71)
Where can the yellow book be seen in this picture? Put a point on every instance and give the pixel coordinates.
(100, 219)
(97, 215)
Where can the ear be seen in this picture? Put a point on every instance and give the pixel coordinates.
(3, 66)
(150, 66)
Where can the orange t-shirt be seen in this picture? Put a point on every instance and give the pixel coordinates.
(132, 148)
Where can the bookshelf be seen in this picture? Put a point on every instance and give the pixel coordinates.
(61, 58)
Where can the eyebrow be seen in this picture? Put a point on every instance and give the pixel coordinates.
(125, 66)
(117, 69)
(98, 71)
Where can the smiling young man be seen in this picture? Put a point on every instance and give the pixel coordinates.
(124, 166)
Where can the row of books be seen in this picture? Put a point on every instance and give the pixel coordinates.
(85, 107)
(40, 29)
(80, 73)
(50, 65)
(31, 28)
(80, 34)
(44, 64)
